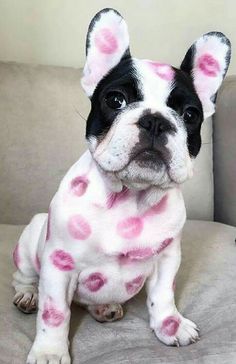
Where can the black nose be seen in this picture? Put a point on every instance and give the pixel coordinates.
(155, 124)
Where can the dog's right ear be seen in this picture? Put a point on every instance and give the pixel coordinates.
(107, 43)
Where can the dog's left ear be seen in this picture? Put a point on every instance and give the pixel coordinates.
(207, 61)
(107, 43)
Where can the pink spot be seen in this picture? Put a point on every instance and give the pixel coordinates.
(208, 65)
(105, 41)
(130, 227)
(95, 281)
(37, 264)
(115, 198)
(158, 208)
(62, 260)
(48, 225)
(79, 228)
(16, 256)
(164, 245)
(51, 315)
(163, 70)
(136, 255)
(79, 185)
(170, 326)
(134, 286)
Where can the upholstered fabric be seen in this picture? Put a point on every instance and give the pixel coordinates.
(225, 153)
(205, 293)
(42, 135)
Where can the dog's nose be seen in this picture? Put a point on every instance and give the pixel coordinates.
(155, 124)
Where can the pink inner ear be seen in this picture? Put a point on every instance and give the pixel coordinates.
(162, 70)
(105, 41)
(208, 65)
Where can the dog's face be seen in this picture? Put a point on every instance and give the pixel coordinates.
(145, 120)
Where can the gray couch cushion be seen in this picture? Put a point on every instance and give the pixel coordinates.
(205, 293)
(225, 153)
(42, 135)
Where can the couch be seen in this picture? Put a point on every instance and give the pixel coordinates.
(42, 113)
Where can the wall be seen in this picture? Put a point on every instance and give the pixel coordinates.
(53, 31)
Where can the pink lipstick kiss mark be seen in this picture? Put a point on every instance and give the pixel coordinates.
(48, 225)
(164, 245)
(51, 315)
(79, 228)
(170, 326)
(37, 264)
(79, 185)
(158, 208)
(62, 260)
(162, 70)
(105, 41)
(16, 256)
(130, 228)
(95, 281)
(208, 65)
(115, 199)
(136, 255)
(134, 286)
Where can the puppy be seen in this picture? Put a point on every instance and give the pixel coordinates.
(115, 222)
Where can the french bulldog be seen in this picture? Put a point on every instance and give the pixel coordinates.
(115, 223)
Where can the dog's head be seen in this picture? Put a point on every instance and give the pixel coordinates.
(145, 120)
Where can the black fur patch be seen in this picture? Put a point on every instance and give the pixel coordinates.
(182, 96)
(121, 78)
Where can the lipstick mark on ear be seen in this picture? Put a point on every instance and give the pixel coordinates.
(208, 65)
(105, 41)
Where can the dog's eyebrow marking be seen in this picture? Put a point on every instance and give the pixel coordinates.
(94, 281)
(51, 315)
(62, 260)
(105, 41)
(170, 325)
(79, 185)
(163, 70)
(208, 65)
(134, 285)
(16, 256)
(78, 227)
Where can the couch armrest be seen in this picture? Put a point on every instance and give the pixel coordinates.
(224, 153)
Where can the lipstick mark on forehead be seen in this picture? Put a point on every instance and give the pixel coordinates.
(163, 70)
(105, 41)
(208, 65)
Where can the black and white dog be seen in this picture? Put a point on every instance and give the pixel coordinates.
(116, 219)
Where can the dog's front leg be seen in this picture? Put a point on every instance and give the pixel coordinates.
(56, 289)
(169, 325)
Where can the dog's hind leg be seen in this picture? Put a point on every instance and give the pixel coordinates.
(26, 259)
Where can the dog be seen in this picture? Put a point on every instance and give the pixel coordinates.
(115, 222)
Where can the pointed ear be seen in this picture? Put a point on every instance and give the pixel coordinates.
(207, 62)
(107, 43)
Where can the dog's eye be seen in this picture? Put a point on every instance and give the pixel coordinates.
(115, 100)
(191, 115)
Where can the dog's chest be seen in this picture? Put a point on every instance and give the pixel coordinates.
(114, 238)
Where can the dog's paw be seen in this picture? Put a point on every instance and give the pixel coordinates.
(177, 331)
(26, 302)
(106, 313)
(39, 357)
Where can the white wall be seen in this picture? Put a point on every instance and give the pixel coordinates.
(53, 31)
